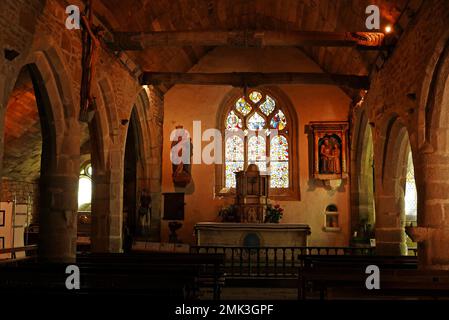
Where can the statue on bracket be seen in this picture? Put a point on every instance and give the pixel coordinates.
(181, 158)
(329, 150)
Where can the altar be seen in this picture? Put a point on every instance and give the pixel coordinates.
(230, 234)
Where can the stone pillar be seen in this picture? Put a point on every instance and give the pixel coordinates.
(432, 233)
(107, 205)
(155, 163)
(390, 159)
(58, 217)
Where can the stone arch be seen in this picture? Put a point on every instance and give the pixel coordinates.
(109, 101)
(362, 186)
(106, 156)
(60, 155)
(148, 162)
(99, 131)
(431, 164)
(141, 109)
(432, 117)
(58, 87)
(391, 158)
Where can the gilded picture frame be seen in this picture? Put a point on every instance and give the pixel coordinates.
(330, 149)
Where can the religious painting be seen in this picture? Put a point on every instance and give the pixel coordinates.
(329, 150)
(181, 158)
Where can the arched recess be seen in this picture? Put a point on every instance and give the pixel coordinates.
(140, 169)
(132, 179)
(362, 183)
(58, 180)
(392, 156)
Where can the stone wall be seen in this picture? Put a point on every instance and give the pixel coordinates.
(24, 192)
(408, 93)
(36, 30)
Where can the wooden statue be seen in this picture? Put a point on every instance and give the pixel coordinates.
(182, 169)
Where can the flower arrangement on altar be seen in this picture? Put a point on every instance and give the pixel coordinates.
(273, 213)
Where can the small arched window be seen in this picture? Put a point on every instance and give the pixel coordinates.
(85, 188)
(331, 218)
(258, 129)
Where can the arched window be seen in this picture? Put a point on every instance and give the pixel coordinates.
(85, 188)
(258, 129)
(411, 198)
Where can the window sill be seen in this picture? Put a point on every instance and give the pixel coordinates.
(331, 229)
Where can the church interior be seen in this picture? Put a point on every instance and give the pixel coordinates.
(225, 149)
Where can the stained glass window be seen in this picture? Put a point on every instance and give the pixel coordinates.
(242, 106)
(268, 106)
(256, 122)
(257, 152)
(233, 122)
(279, 174)
(279, 149)
(234, 159)
(278, 121)
(279, 162)
(255, 96)
(256, 114)
(411, 198)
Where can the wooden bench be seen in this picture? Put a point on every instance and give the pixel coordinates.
(163, 280)
(209, 267)
(159, 275)
(399, 276)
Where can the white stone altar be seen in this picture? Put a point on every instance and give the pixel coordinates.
(251, 234)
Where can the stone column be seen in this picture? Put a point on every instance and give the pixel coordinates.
(390, 220)
(155, 163)
(432, 233)
(58, 217)
(107, 205)
(390, 172)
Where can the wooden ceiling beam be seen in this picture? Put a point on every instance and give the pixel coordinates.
(257, 39)
(254, 79)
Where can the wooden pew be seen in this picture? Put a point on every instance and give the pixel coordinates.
(398, 275)
(210, 267)
(159, 275)
(161, 281)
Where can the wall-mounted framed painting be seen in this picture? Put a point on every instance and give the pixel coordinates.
(330, 149)
(2, 218)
